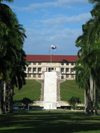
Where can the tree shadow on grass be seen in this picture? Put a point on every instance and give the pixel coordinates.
(45, 122)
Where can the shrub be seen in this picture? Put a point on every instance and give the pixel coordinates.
(73, 100)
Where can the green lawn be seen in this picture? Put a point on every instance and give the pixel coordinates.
(69, 88)
(45, 122)
(32, 90)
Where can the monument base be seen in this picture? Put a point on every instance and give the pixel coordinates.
(50, 105)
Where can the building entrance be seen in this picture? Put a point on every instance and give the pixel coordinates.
(51, 70)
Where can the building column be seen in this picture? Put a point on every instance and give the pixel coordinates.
(64, 70)
(26, 69)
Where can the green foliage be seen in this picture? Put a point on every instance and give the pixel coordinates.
(73, 100)
(12, 56)
(26, 101)
(1, 76)
(98, 96)
(89, 54)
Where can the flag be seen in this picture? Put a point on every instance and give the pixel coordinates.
(57, 72)
(53, 47)
(44, 72)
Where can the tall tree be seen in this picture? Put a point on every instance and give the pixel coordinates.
(82, 79)
(11, 42)
(93, 60)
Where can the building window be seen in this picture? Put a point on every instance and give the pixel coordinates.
(67, 69)
(39, 63)
(39, 69)
(62, 77)
(50, 69)
(72, 63)
(67, 63)
(34, 76)
(72, 70)
(34, 69)
(29, 63)
(62, 63)
(72, 76)
(34, 63)
(62, 69)
(39, 76)
(29, 75)
(29, 69)
(67, 76)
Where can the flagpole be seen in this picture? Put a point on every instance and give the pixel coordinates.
(51, 59)
(52, 47)
(50, 55)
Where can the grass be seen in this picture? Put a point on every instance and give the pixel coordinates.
(32, 90)
(69, 88)
(45, 122)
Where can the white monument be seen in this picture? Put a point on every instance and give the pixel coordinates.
(50, 90)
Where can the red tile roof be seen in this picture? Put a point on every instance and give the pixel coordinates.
(55, 58)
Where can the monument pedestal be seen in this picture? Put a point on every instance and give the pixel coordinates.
(50, 90)
(50, 105)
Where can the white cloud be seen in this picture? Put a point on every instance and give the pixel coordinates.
(72, 1)
(58, 3)
(62, 20)
(39, 41)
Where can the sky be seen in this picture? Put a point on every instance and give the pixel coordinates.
(51, 22)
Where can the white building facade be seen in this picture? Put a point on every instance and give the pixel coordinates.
(61, 64)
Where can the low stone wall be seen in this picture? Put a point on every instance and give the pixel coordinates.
(59, 103)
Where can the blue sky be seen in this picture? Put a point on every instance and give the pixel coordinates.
(51, 22)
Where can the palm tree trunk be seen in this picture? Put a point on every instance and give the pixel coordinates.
(95, 98)
(0, 96)
(4, 98)
(9, 97)
(87, 101)
(91, 92)
(11, 107)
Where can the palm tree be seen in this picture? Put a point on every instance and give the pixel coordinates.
(82, 79)
(89, 43)
(95, 35)
(83, 42)
(93, 60)
(13, 56)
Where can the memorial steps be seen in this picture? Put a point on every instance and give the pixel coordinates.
(50, 90)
